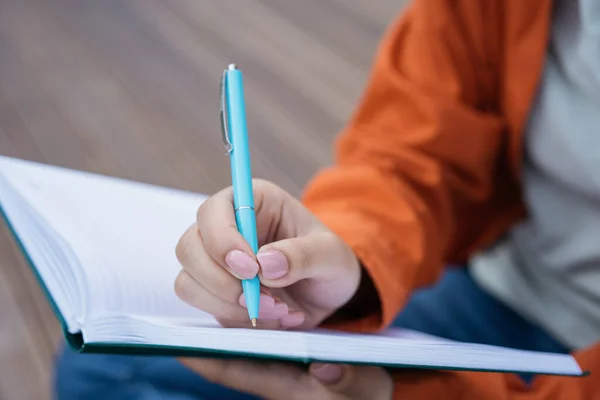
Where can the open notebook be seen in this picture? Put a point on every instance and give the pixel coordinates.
(103, 251)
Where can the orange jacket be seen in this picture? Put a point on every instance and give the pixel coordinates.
(428, 169)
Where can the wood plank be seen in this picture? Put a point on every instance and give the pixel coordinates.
(28, 331)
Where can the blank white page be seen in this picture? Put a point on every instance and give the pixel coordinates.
(123, 234)
(46, 250)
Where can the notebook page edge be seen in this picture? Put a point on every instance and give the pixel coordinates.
(118, 187)
(29, 247)
(130, 331)
(426, 351)
(136, 333)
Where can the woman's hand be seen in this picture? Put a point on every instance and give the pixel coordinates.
(307, 272)
(274, 381)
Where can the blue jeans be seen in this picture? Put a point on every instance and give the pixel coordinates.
(455, 308)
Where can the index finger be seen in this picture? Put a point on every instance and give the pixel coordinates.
(218, 228)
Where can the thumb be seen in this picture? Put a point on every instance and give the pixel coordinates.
(354, 382)
(288, 261)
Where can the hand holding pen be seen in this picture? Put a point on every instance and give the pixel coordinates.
(294, 271)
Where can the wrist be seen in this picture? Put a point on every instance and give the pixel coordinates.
(364, 303)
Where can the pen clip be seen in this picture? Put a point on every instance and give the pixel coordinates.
(224, 114)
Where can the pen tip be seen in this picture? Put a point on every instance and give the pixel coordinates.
(253, 320)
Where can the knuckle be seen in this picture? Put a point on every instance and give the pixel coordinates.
(206, 209)
(202, 210)
(207, 205)
(333, 247)
(328, 238)
(183, 246)
(214, 244)
(183, 284)
(303, 255)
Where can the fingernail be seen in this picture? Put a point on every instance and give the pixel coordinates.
(266, 302)
(242, 264)
(273, 264)
(326, 373)
(292, 320)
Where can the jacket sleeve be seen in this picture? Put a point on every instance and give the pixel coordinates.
(494, 386)
(415, 166)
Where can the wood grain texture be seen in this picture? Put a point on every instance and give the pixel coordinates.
(129, 88)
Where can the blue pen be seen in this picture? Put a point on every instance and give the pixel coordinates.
(235, 138)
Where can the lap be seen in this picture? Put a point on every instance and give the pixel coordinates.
(120, 377)
(455, 308)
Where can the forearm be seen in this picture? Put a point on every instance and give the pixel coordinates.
(413, 177)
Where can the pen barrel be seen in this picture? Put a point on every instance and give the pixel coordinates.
(243, 197)
(240, 153)
(251, 290)
(246, 223)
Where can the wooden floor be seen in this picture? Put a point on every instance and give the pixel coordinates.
(130, 88)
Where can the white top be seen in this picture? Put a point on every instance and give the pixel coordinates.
(548, 267)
